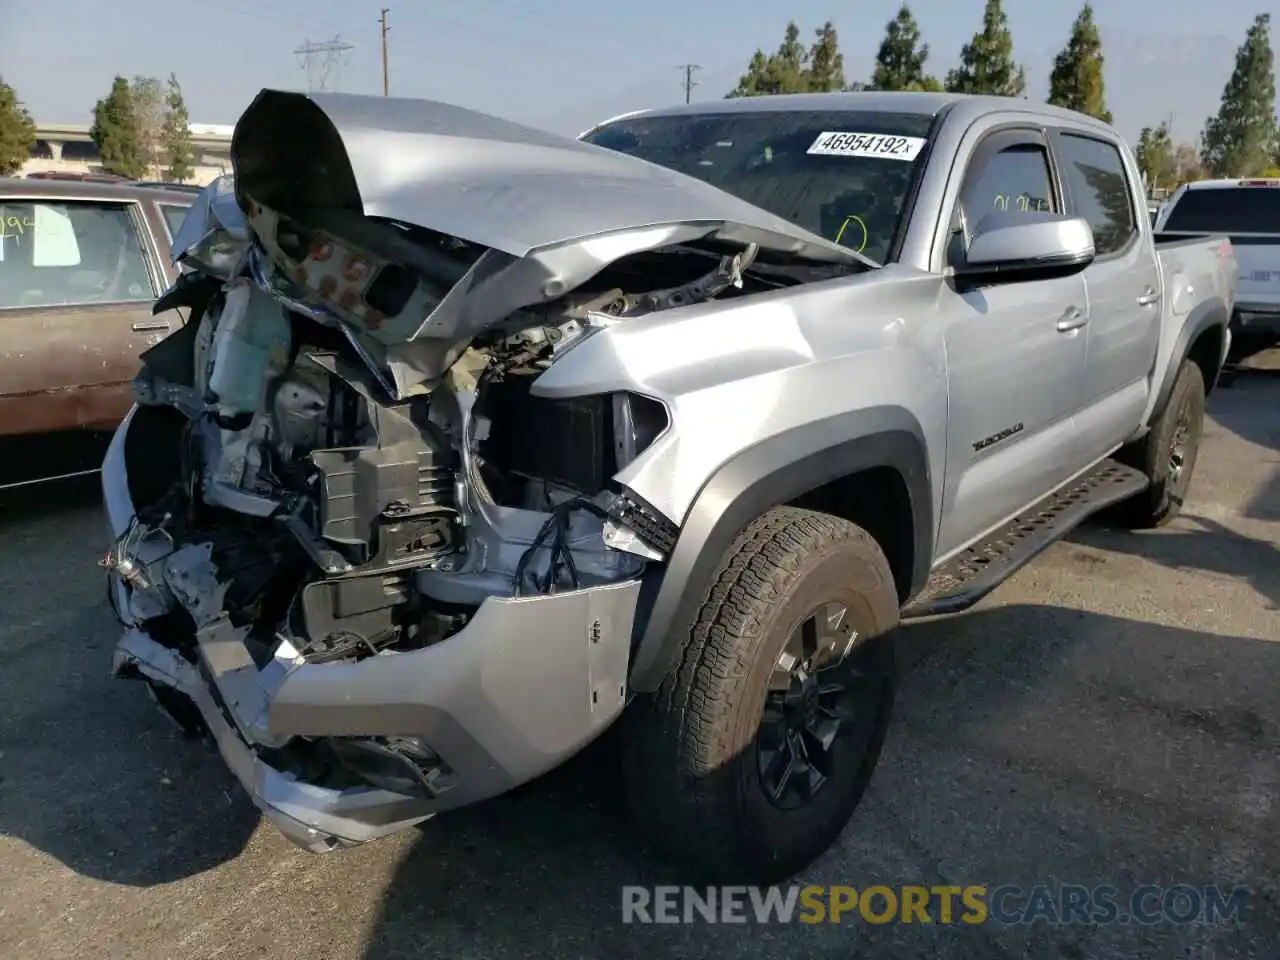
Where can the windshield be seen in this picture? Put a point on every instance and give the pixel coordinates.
(843, 175)
(1226, 210)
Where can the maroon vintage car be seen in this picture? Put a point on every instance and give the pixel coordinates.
(80, 265)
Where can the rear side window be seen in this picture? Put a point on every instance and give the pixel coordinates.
(69, 253)
(173, 217)
(1015, 179)
(1094, 172)
(1227, 210)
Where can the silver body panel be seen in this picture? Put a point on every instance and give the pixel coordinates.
(893, 356)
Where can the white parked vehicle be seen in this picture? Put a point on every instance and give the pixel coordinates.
(1249, 212)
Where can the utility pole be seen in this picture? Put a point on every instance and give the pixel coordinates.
(386, 74)
(323, 62)
(689, 82)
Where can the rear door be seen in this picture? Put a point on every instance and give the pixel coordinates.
(1122, 286)
(1248, 212)
(77, 280)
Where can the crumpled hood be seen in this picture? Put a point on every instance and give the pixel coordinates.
(489, 181)
(540, 215)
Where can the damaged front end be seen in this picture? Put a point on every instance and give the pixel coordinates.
(350, 539)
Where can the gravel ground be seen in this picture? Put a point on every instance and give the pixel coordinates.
(1110, 716)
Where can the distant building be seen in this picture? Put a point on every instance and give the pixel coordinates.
(67, 148)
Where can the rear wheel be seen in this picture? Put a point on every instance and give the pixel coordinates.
(1167, 455)
(749, 761)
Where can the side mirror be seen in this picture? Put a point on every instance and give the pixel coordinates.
(1027, 245)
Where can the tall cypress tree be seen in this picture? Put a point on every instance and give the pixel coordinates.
(117, 134)
(1076, 81)
(1242, 139)
(901, 57)
(986, 62)
(179, 152)
(780, 72)
(826, 62)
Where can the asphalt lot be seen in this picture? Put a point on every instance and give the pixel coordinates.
(1109, 716)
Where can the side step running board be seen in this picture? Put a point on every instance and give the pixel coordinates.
(969, 576)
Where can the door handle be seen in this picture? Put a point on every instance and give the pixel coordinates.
(1073, 319)
(151, 324)
(1149, 296)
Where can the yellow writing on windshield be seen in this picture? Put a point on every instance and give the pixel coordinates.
(862, 225)
(13, 226)
(1022, 203)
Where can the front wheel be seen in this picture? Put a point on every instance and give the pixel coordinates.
(749, 761)
(180, 709)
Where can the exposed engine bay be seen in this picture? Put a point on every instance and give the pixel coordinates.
(346, 519)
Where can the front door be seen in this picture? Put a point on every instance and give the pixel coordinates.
(1123, 287)
(75, 313)
(1015, 357)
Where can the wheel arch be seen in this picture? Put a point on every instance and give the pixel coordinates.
(836, 461)
(1200, 340)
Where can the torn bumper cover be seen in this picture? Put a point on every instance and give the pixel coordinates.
(526, 684)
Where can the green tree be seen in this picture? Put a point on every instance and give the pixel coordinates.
(17, 131)
(928, 83)
(986, 62)
(116, 132)
(783, 71)
(147, 96)
(1186, 165)
(1155, 156)
(1240, 140)
(826, 62)
(1076, 81)
(901, 57)
(176, 147)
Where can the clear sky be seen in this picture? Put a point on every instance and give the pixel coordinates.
(564, 65)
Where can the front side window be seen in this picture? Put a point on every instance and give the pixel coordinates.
(843, 175)
(1014, 179)
(1094, 171)
(55, 253)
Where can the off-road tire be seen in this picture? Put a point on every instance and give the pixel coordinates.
(689, 751)
(1153, 455)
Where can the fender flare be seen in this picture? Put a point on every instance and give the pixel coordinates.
(776, 471)
(1210, 314)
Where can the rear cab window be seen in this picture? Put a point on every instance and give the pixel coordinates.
(843, 175)
(1095, 178)
(61, 253)
(1229, 210)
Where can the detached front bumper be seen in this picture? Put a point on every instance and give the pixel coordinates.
(525, 685)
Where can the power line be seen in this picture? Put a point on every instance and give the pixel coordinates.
(689, 82)
(323, 62)
(386, 74)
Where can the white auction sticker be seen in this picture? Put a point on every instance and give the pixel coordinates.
(834, 143)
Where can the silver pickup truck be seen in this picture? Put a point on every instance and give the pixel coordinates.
(479, 441)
